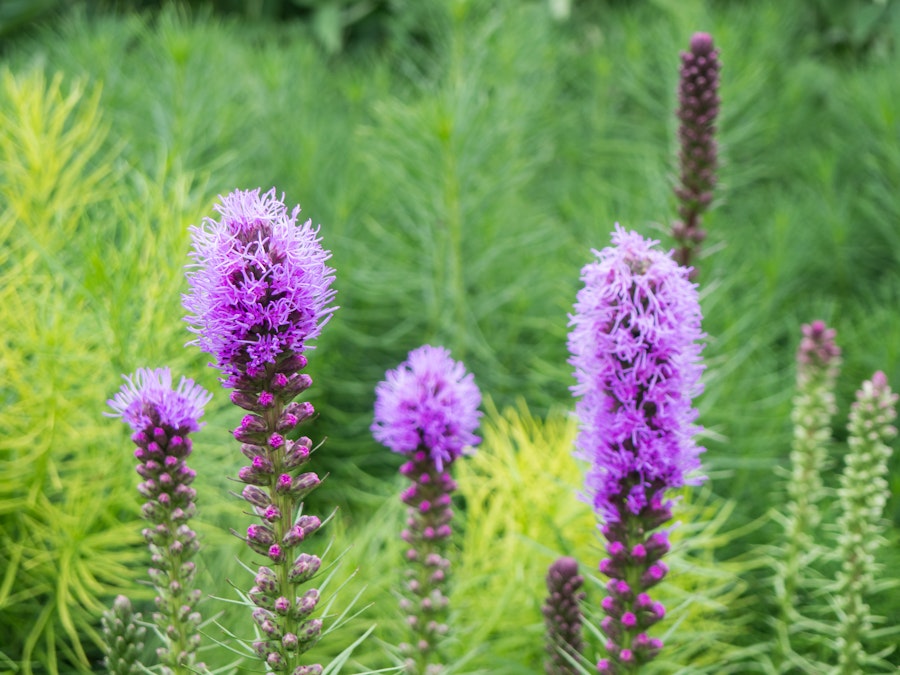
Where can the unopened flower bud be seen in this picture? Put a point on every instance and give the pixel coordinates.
(304, 568)
(306, 604)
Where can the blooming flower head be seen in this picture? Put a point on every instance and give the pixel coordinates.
(428, 402)
(259, 285)
(635, 348)
(148, 399)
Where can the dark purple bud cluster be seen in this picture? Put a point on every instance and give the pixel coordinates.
(562, 616)
(276, 483)
(629, 610)
(698, 107)
(162, 452)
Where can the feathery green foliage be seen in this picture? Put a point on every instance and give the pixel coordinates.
(62, 492)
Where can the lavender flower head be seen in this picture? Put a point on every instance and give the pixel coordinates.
(428, 401)
(260, 288)
(162, 418)
(636, 352)
(147, 399)
(427, 409)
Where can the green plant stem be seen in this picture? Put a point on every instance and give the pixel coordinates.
(454, 282)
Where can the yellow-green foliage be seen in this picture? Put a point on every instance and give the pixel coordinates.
(61, 543)
(84, 282)
(521, 512)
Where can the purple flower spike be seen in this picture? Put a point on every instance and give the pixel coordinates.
(161, 417)
(428, 401)
(698, 107)
(427, 409)
(635, 344)
(260, 288)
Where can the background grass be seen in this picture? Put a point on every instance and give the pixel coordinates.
(462, 168)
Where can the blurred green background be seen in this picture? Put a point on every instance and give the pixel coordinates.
(463, 158)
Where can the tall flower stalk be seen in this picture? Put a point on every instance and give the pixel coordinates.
(818, 365)
(427, 410)
(162, 417)
(260, 290)
(635, 346)
(863, 493)
(698, 107)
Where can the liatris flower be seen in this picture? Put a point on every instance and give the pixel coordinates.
(123, 636)
(562, 616)
(162, 418)
(818, 364)
(260, 291)
(427, 409)
(863, 493)
(698, 106)
(636, 352)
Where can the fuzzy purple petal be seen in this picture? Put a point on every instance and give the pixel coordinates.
(428, 401)
(147, 399)
(635, 346)
(260, 288)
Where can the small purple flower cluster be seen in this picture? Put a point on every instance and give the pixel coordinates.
(635, 345)
(427, 409)
(562, 616)
(818, 356)
(161, 418)
(698, 107)
(260, 291)
(428, 402)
